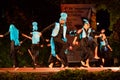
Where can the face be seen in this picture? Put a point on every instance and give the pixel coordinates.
(86, 26)
(103, 30)
(62, 21)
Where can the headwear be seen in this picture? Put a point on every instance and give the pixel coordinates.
(63, 16)
(14, 34)
(35, 27)
(86, 21)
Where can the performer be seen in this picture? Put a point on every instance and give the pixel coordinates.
(59, 42)
(15, 43)
(35, 43)
(87, 43)
(104, 47)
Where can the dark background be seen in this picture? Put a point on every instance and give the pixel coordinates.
(23, 12)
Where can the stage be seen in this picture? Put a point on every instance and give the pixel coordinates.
(57, 69)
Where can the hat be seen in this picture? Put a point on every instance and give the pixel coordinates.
(63, 16)
(86, 21)
(35, 27)
(34, 23)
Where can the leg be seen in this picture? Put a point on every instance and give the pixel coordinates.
(87, 63)
(51, 61)
(102, 62)
(61, 56)
(96, 55)
(51, 65)
(35, 53)
(62, 61)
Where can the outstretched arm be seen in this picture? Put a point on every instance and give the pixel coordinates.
(24, 35)
(7, 33)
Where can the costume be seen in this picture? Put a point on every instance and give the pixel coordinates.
(87, 43)
(35, 43)
(58, 41)
(14, 37)
(104, 50)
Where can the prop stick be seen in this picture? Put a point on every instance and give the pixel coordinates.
(48, 27)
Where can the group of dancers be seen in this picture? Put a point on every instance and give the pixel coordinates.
(85, 37)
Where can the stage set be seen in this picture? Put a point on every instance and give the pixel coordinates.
(71, 55)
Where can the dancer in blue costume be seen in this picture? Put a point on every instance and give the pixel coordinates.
(85, 36)
(35, 43)
(104, 47)
(15, 43)
(59, 42)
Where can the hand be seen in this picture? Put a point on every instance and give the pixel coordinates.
(70, 47)
(48, 45)
(21, 42)
(111, 50)
(47, 40)
(74, 42)
(41, 45)
(1, 36)
(64, 39)
(40, 34)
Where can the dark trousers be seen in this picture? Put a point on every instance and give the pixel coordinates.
(60, 47)
(86, 51)
(35, 52)
(14, 54)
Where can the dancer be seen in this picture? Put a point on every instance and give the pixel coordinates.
(87, 43)
(15, 44)
(104, 47)
(59, 42)
(34, 52)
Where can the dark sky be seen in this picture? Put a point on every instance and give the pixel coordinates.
(42, 11)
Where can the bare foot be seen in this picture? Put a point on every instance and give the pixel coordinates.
(51, 65)
(88, 66)
(62, 66)
(83, 63)
(101, 66)
(97, 57)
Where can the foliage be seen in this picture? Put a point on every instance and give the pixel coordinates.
(115, 41)
(62, 75)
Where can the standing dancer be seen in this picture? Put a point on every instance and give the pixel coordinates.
(14, 49)
(35, 43)
(59, 42)
(104, 47)
(86, 43)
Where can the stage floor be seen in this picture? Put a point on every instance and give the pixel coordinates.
(57, 69)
